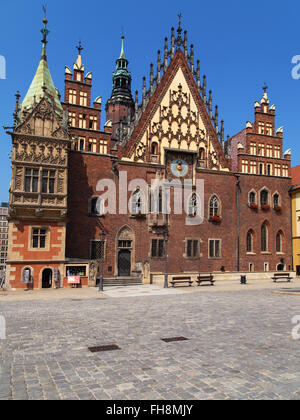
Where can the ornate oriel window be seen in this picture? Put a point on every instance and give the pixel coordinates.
(48, 181)
(214, 206)
(31, 180)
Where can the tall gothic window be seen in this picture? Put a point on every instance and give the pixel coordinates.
(252, 197)
(264, 238)
(154, 148)
(279, 242)
(264, 197)
(250, 241)
(136, 202)
(214, 206)
(193, 205)
(276, 200)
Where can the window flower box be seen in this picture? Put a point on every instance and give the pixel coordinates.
(278, 209)
(215, 219)
(140, 216)
(253, 206)
(265, 207)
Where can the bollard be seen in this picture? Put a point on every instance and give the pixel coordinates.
(243, 279)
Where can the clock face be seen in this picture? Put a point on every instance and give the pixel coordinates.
(179, 168)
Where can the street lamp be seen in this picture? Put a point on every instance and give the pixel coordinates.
(166, 238)
(102, 236)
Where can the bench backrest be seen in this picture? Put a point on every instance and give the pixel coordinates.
(281, 274)
(181, 278)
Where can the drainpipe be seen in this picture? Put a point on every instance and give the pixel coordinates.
(237, 199)
(292, 220)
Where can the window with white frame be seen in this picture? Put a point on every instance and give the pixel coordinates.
(269, 150)
(214, 248)
(82, 121)
(277, 152)
(245, 166)
(83, 99)
(72, 96)
(253, 148)
(253, 167)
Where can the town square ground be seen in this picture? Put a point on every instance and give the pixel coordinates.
(240, 343)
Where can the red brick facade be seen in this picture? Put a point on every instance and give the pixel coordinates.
(247, 215)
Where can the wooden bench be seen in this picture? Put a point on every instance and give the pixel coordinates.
(180, 280)
(282, 276)
(205, 277)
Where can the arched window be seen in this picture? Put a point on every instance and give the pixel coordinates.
(279, 242)
(154, 148)
(201, 153)
(252, 197)
(249, 241)
(276, 200)
(264, 197)
(264, 238)
(193, 205)
(136, 202)
(214, 206)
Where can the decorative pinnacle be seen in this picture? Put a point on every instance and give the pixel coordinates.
(79, 48)
(179, 20)
(265, 87)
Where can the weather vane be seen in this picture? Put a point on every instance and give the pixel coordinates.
(79, 48)
(179, 17)
(45, 31)
(265, 87)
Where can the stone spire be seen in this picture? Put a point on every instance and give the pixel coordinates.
(42, 84)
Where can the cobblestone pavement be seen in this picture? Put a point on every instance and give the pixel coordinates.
(240, 347)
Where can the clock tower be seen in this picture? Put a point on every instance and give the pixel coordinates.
(120, 106)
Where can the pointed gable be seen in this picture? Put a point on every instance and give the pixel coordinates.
(175, 118)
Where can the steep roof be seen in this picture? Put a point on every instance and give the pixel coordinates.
(296, 175)
(42, 83)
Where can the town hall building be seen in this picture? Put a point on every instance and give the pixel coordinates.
(59, 224)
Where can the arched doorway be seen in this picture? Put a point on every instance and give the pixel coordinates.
(280, 267)
(47, 278)
(124, 263)
(125, 252)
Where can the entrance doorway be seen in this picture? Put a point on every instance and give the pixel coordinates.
(124, 263)
(47, 278)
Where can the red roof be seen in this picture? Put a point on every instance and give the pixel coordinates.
(296, 175)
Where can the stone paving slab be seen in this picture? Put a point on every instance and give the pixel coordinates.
(240, 345)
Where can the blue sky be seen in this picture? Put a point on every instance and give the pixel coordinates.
(240, 45)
